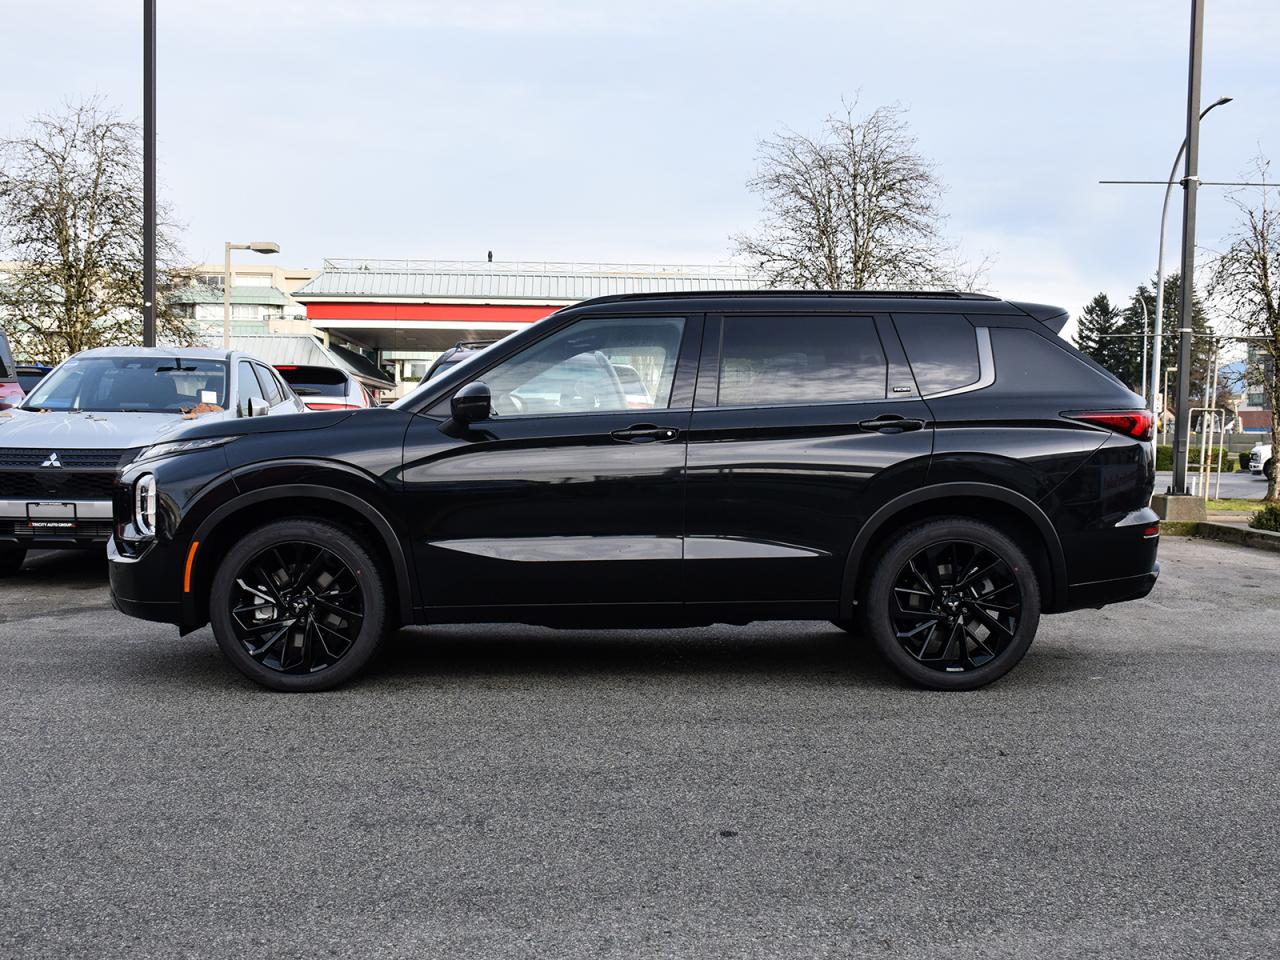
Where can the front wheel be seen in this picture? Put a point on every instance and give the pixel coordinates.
(298, 605)
(953, 605)
(1269, 469)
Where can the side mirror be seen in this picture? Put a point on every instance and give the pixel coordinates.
(255, 407)
(471, 403)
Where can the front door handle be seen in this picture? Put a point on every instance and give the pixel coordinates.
(646, 433)
(890, 423)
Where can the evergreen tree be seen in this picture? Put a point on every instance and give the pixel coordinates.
(1095, 331)
(1201, 344)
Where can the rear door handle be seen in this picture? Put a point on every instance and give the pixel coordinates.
(890, 423)
(646, 433)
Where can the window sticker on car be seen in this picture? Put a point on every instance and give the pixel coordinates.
(208, 396)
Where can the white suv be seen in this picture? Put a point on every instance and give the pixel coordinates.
(1261, 462)
(61, 447)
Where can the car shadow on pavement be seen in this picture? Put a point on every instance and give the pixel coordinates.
(785, 650)
(74, 569)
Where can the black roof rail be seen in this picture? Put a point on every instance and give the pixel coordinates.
(834, 294)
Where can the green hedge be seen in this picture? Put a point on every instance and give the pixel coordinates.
(1164, 458)
(1268, 518)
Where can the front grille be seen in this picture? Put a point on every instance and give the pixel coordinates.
(84, 459)
(52, 484)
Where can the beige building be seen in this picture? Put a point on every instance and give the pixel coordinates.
(261, 299)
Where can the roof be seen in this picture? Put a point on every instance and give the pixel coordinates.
(544, 282)
(786, 294)
(308, 351)
(203, 293)
(185, 353)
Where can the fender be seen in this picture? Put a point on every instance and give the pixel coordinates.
(943, 491)
(359, 504)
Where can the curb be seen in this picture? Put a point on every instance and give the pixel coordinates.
(1223, 533)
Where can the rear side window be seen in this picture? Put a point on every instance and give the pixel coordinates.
(270, 388)
(1030, 365)
(942, 350)
(800, 360)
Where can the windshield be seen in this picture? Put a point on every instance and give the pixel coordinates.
(131, 385)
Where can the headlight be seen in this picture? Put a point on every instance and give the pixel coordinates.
(183, 446)
(144, 504)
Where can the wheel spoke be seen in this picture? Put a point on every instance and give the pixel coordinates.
(270, 641)
(341, 611)
(990, 621)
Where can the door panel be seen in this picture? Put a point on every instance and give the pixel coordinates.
(533, 507)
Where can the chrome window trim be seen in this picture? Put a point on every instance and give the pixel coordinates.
(986, 369)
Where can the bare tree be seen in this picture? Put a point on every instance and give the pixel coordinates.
(1245, 284)
(856, 207)
(71, 220)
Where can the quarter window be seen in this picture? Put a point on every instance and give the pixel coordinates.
(942, 351)
(800, 360)
(592, 366)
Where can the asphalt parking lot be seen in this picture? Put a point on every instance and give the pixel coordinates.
(739, 792)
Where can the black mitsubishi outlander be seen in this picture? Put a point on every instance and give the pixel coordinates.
(932, 471)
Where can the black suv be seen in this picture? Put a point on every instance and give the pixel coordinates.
(931, 470)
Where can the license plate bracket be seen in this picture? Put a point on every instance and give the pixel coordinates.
(51, 515)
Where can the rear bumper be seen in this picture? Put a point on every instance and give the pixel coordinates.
(1099, 593)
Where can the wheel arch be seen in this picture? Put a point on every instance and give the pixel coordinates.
(315, 501)
(1003, 508)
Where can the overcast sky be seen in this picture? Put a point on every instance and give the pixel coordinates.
(596, 131)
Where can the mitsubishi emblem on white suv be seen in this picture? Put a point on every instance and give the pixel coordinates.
(52, 460)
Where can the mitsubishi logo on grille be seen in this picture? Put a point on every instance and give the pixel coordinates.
(52, 460)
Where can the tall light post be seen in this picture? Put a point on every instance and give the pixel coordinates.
(257, 246)
(1157, 332)
(149, 173)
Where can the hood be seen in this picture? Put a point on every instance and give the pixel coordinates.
(87, 431)
(247, 425)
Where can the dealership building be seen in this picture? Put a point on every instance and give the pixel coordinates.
(401, 314)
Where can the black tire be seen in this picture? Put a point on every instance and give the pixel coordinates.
(265, 588)
(975, 585)
(1269, 468)
(11, 560)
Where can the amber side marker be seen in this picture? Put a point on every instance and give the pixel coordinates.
(191, 559)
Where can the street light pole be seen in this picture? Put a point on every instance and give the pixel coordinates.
(257, 246)
(149, 173)
(1190, 183)
(1157, 333)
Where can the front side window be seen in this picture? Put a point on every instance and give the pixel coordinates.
(131, 385)
(270, 389)
(800, 360)
(593, 366)
(249, 386)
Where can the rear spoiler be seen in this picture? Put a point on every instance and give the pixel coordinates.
(1055, 318)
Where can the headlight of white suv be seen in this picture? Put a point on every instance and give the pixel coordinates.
(144, 504)
(183, 446)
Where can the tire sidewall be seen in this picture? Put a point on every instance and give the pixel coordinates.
(875, 605)
(348, 549)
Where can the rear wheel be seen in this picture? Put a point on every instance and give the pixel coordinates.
(953, 605)
(1269, 469)
(298, 605)
(11, 560)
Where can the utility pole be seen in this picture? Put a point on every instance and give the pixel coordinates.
(1190, 182)
(148, 173)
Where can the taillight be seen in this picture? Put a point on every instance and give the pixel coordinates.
(1132, 423)
(332, 406)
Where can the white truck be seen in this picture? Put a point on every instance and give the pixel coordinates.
(1261, 461)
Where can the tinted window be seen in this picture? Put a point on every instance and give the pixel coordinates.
(249, 386)
(138, 384)
(815, 359)
(574, 371)
(1030, 365)
(316, 381)
(942, 350)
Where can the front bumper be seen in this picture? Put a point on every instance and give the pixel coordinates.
(91, 526)
(137, 586)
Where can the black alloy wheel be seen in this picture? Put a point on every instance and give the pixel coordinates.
(298, 605)
(954, 604)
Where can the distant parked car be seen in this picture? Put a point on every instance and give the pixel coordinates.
(455, 355)
(638, 396)
(60, 449)
(1262, 463)
(11, 391)
(326, 388)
